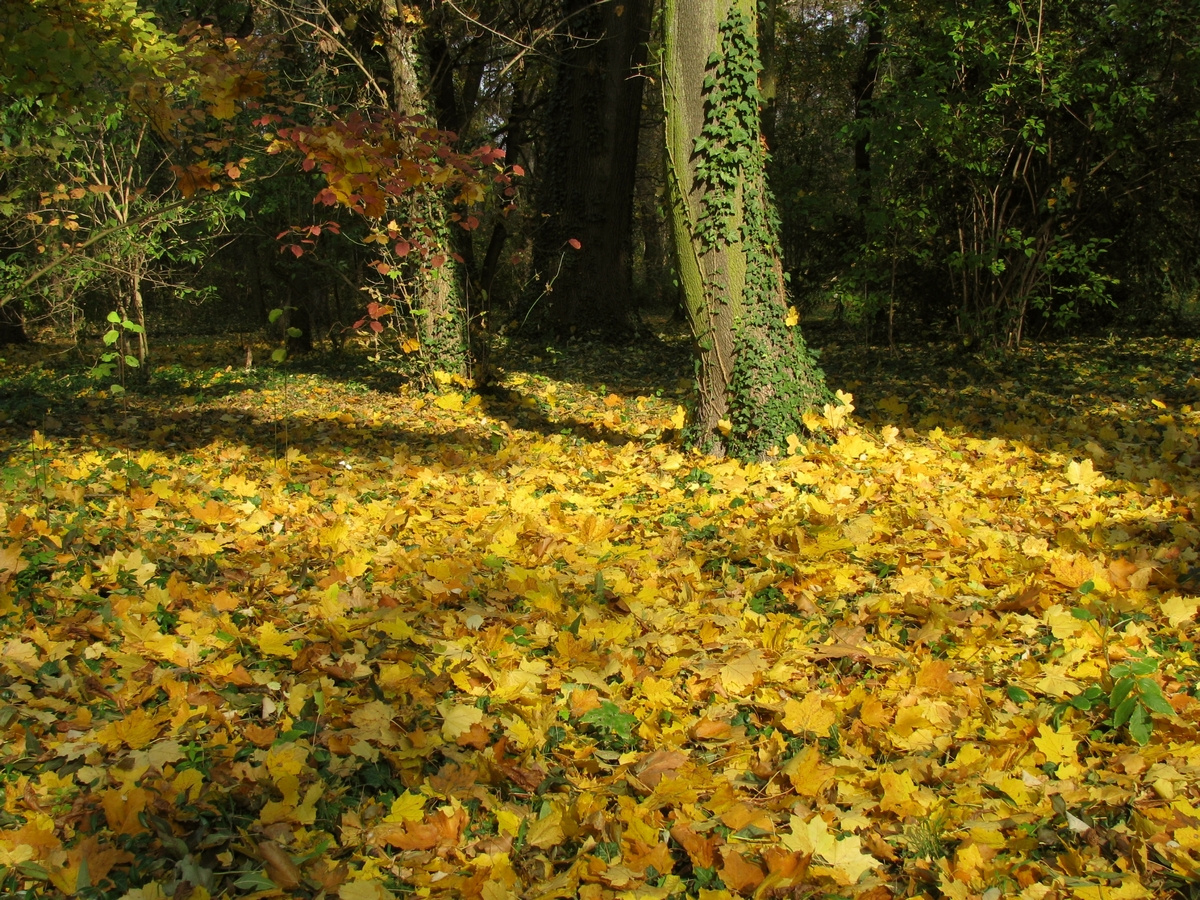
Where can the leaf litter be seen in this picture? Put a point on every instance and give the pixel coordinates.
(295, 637)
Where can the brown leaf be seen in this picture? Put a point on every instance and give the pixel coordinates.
(280, 868)
(339, 743)
(651, 769)
(328, 875)
(1023, 601)
(878, 847)
(258, 735)
(441, 831)
(784, 863)
(491, 845)
(477, 737)
(640, 857)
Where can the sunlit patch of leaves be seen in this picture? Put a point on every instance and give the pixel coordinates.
(276, 631)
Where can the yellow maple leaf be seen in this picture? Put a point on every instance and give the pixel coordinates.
(1059, 746)
(356, 564)
(273, 642)
(1179, 609)
(792, 318)
(739, 674)
(1084, 475)
(408, 807)
(285, 760)
(1130, 888)
(11, 562)
(860, 529)
(808, 715)
(137, 730)
(849, 860)
(547, 831)
(913, 583)
(458, 718)
(364, 890)
(255, 521)
(807, 773)
(899, 794)
(238, 485)
(450, 401)
(845, 856)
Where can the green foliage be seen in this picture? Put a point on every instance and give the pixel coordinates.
(1128, 689)
(1134, 696)
(1011, 166)
(728, 142)
(609, 717)
(115, 360)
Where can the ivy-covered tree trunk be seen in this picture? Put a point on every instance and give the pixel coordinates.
(587, 193)
(757, 376)
(438, 296)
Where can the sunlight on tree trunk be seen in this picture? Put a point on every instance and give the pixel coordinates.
(756, 376)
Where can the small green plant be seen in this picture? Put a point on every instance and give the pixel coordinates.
(115, 361)
(926, 837)
(1126, 688)
(1134, 696)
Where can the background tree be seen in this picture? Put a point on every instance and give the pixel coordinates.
(586, 183)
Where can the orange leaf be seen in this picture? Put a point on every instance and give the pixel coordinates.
(260, 737)
(710, 730)
(739, 875)
(122, 807)
(583, 702)
(701, 851)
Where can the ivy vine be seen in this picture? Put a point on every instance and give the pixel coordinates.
(775, 378)
(728, 146)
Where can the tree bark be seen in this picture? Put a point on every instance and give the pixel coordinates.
(756, 376)
(437, 290)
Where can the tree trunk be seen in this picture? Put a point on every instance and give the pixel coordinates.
(757, 377)
(137, 268)
(864, 92)
(768, 78)
(437, 289)
(592, 162)
(514, 142)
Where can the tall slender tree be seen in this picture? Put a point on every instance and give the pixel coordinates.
(756, 375)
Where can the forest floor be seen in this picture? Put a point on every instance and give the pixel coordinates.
(300, 633)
